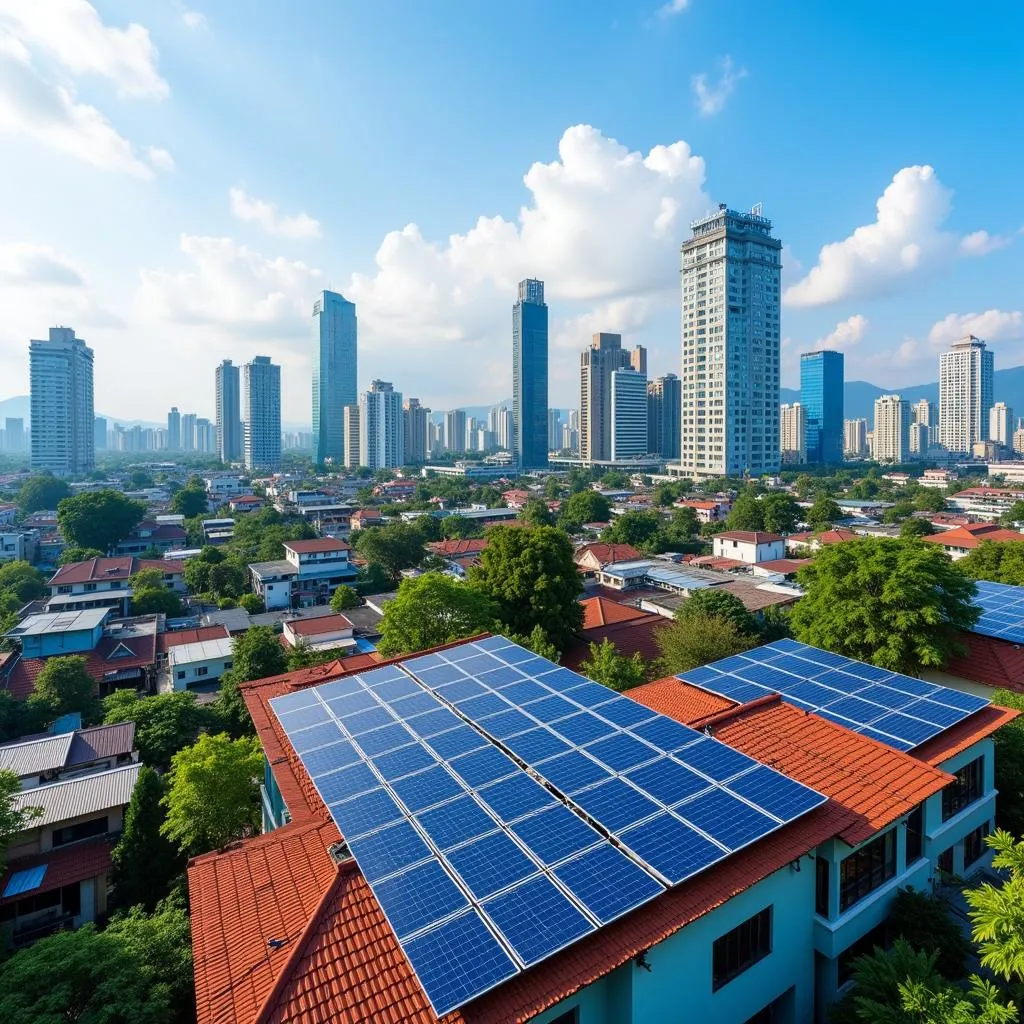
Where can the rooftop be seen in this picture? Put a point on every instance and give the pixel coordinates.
(606, 554)
(201, 650)
(38, 754)
(318, 546)
(73, 798)
(321, 624)
(93, 570)
(970, 537)
(749, 536)
(60, 622)
(174, 638)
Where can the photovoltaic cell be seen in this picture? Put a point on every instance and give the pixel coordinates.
(487, 764)
(340, 785)
(513, 797)
(573, 771)
(396, 689)
(1002, 611)
(352, 703)
(501, 677)
(364, 721)
(361, 814)
(666, 733)
(622, 711)
(672, 848)
(582, 728)
(555, 834)
(715, 760)
(455, 822)
(289, 702)
(668, 781)
(607, 882)
(726, 819)
(527, 690)
(426, 788)
(482, 706)
(421, 896)
(388, 850)
(615, 804)
(550, 709)
(303, 718)
(508, 723)
(536, 745)
(777, 794)
(317, 736)
(490, 864)
(329, 758)
(432, 722)
(409, 707)
(380, 740)
(621, 752)
(460, 690)
(456, 741)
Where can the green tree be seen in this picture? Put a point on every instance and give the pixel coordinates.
(69, 555)
(719, 604)
(159, 601)
(213, 793)
(775, 624)
(19, 717)
(257, 653)
(454, 527)
(1013, 516)
(13, 819)
(998, 561)
(252, 603)
(538, 642)
(228, 579)
(189, 501)
(98, 519)
(21, 581)
(585, 506)
(197, 576)
(640, 529)
(344, 598)
(530, 574)
(1009, 765)
(928, 499)
(823, 513)
(394, 547)
(747, 513)
(781, 512)
(42, 491)
(230, 709)
(372, 579)
(433, 609)
(898, 512)
(536, 513)
(997, 912)
(699, 640)
(63, 687)
(302, 655)
(164, 723)
(682, 526)
(612, 669)
(913, 527)
(924, 920)
(896, 604)
(144, 861)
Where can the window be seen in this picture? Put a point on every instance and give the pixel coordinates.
(965, 789)
(203, 670)
(569, 1017)
(974, 843)
(83, 830)
(915, 833)
(945, 862)
(227, 665)
(867, 869)
(181, 673)
(740, 949)
(822, 885)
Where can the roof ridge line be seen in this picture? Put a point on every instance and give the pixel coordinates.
(730, 714)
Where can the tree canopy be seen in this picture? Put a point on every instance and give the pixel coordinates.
(998, 561)
(257, 653)
(433, 609)
(164, 723)
(213, 793)
(781, 513)
(63, 687)
(538, 642)
(823, 513)
(1013, 516)
(42, 491)
(585, 506)
(344, 598)
(639, 528)
(190, 500)
(1009, 765)
(21, 582)
(530, 573)
(607, 666)
(894, 603)
(996, 911)
(699, 640)
(720, 604)
(394, 547)
(12, 819)
(913, 527)
(69, 555)
(747, 513)
(98, 519)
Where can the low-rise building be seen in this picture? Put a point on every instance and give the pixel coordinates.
(960, 541)
(800, 543)
(104, 582)
(226, 486)
(706, 510)
(938, 479)
(245, 503)
(218, 531)
(199, 663)
(363, 517)
(749, 546)
(19, 545)
(308, 575)
(325, 632)
(8, 513)
(150, 535)
(590, 559)
(986, 502)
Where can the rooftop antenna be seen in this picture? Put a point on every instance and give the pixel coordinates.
(756, 210)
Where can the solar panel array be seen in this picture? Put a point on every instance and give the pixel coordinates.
(1002, 611)
(502, 808)
(895, 709)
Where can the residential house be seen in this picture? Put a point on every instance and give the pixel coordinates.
(104, 582)
(590, 559)
(986, 502)
(756, 595)
(245, 503)
(787, 567)
(218, 531)
(749, 546)
(308, 575)
(199, 663)
(516, 499)
(326, 632)
(150, 535)
(8, 513)
(938, 479)
(363, 517)
(19, 545)
(228, 486)
(800, 543)
(707, 511)
(168, 639)
(631, 630)
(960, 541)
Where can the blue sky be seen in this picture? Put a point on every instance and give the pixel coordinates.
(177, 181)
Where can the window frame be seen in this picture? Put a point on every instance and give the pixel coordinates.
(875, 862)
(967, 788)
(740, 948)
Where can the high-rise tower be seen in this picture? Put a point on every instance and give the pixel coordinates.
(334, 373)
(530, 376)
(261, 412)
(821, 395)
(965, 394)
(228, 413)
(60, 379)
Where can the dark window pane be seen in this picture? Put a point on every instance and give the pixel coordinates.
(740, 949)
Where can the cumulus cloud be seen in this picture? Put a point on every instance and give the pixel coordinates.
(25, 264)
(32, 106)
(711, 97)
(193, 20)
(72, 33)
(905, 240)
(673, 7)
(845, 334)
(160, 158)
(992, 325)
(259, 211)
(981, 243)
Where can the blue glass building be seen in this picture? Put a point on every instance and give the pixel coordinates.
(530, 376)
(821, 394)
(334, 374)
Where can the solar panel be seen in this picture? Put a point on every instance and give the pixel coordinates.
(583, 727)
(452, 823)
(1002, 611)
(537, 744)
(672, 847)
(668, 781)
(607, 882)
(388, 850)
(615, 804)
(426, 788)
(456, 741)
(487, 764)
(892, 708)
(621, 751)
(361, 814)
(574, 771)
(781, 796)
(725, 818)
(340, 785)
(419, 897)
(555, 834)
(491, 863)
(513, 797)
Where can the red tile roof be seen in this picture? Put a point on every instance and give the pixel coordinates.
(836, 536)
(785, 565)
(965, 537)
(708, 506)
(306, 547)
(94, 570)
(320, 624)
(600, 611)
(679, 700)
(365, 513)
(605, 554)
(989, 660)
(717, 562)
(63, 867)
(749, 536)
(457, 548)
(165, 641)
(990, 492)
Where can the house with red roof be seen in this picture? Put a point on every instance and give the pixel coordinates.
(308, 575)
(631, 630)
(707, 510)
(325, 632)
(104, 582)
(960, 541)
(150, 535)
(800, 543)
(749, 546)
(590, 559)
(291, 926)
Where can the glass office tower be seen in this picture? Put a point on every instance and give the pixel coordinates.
(821, 394)
(334, 374)
(530, 376)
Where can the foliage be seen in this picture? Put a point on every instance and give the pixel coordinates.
(775, 624)
(1013, 515)
(228, 579)
(12, 819)
(719, 604)
(998, 561)
(144, 860)
(230, 709)
(928, 499)
(252, 603)
(98, 519)
(256, 654)
(997, 913)
(747, 513)
(344, 598)
(213, 795)
(454, 527)
(302, 655)
(189, 501)
(639, 529)
(924, 920)
(699, 640)
(823, 513)
(151, 596)
(433, 609)
(42, 491)
(372, 579)
(531, 575)
(536, 513)
(21, 581)
(898, 512)
(63, 687)
(586, 506)
(20, 717)
(164, 723)
(912, 527)
(896, 604)
(394, 547)
(197, 576)
(606, 666)
(682, 525)
(70, 555)
(538, 642)
(1009, 764)
(781, 512)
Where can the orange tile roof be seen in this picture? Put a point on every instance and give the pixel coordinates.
(63, 866)
(681, 701)
(785, 565)
(319, 624)
(165, 641)
(962, 537)
(605, 554)
(600, 611)
(990, 660)
(836, 536)
(749, 536)
(455, 548)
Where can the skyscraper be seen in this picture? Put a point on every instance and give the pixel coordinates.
(1000, 424)
(228, 413)
(890, 438)
(14, 434)
(381, 432)
(174, 429)
(793, 433)
(351, 420)
(597, 364)
(455, 430)
(664, 407)
(855, 437)
(821, 396)
(965, 394)
(638, 359)
(923, 411)
(60, 372)
(188, 432)
(1018, 438)
(334, 373)
(99, 433)
(628, 414)
(554, 430)
(261, 412)
(205, 436)
(415, 431)
(530, 376)
(730, 346)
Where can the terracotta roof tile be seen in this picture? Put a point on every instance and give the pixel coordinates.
(785, 565)
(319, 624)
(600, 611)
(605, 554)
(750, 536)
(165, 641)
(679, 700)
(457, 548)
(963, 537)
(63, 867)
(990, 660)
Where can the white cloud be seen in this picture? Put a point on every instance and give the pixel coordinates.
(73, 34)
(992, 325)
(711, 97)
(845, 334)
(981, 243)
(193, 19)
(39, 109)
(25, 264)
(160, 158)
(250, 209)
(905, 240)
(673, 7)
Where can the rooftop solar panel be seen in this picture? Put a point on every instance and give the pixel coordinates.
(573, 771)
(491, 863)
(607, 882)
(427, 788)
(417, 898)
(887, 706)
(725, 818)
(672, 847)
(459, 740)
(1002, 611)
(555, 834)
(388, 850)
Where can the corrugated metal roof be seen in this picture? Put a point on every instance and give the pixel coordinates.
(61, 801)
(102, 741)
(35, 756)
(201, 650)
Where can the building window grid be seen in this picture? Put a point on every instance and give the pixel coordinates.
(967, 787)
(738, 950)
(867, 869)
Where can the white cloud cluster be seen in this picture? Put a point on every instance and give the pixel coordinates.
(250, 209)
(711, 97)
(42, 105)
(991, 325)
(981, 243)
(906, 240)
(25, 264)
(673, 7)
(846, 334)
(193, 20)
